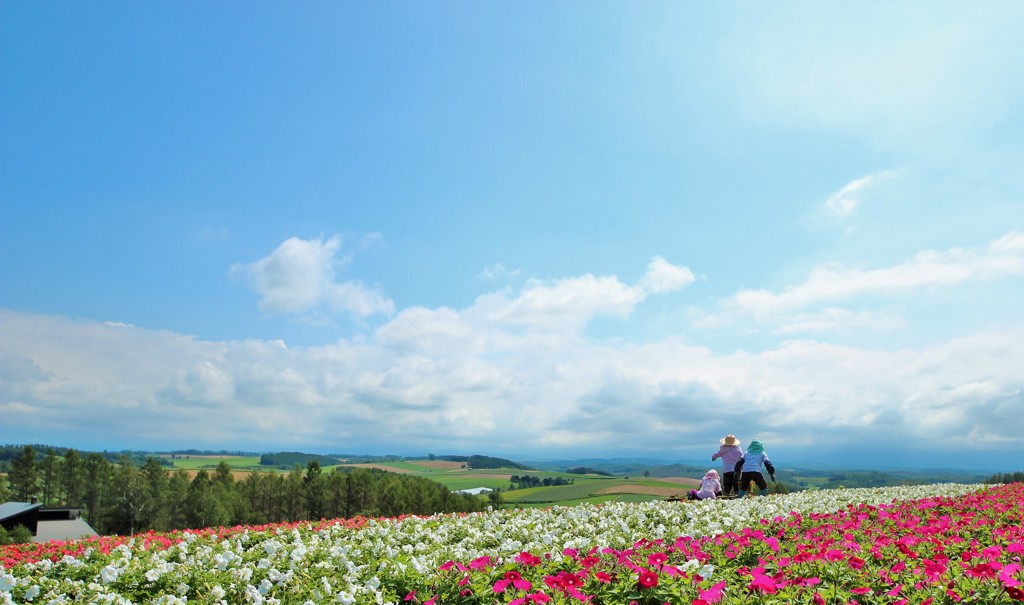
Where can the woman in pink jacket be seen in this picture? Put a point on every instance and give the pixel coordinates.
(730, 453)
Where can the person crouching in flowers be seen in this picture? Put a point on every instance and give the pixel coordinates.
(710, 487)
(748, 468)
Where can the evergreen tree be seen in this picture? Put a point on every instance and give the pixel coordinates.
(96, 476)
(293, 494)
(157, 482)
(24, 475)
(203, 507)
(132, 499)
(177, 496)
(48, 471)
(71, 478)
(314, 491)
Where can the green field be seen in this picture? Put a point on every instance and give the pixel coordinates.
(584, 488)
(240, 463)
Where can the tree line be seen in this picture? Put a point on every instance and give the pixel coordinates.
(123, 498)
(525, 481)
(1000, 478)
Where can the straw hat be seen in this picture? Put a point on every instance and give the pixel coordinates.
(729, 440)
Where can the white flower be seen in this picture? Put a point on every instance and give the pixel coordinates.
(217, 592)
(32, 592)
(109, 574)
(7, 582)
(265, 586)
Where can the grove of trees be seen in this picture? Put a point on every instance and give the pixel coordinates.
(122, 497)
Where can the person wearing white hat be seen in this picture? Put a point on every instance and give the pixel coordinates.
(730, 453)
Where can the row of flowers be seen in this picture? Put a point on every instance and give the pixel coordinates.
(949, 543)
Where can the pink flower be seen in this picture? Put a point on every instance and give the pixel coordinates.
(713, 594)
(818, 599)
(500, 585)
(1007, 573)
(834, 555)
(480, 563)
(603, 577)
(933, 569)
(538, 597)
(410, 596)
(763, 583)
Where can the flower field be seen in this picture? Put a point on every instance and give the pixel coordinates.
(908, 545)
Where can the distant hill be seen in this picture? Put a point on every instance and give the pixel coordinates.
(480, 462)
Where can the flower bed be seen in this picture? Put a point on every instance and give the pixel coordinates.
(948, 543)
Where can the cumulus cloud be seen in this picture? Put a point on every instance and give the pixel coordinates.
(483, 394)
(662, 276)
(300, 276)
(513, 372)
(832, 283)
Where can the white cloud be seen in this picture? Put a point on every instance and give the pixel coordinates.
(485, 394)
(497, 271)
(662, 276)
(559, 304)
(832, 283)
(843, 202)
(299, 276)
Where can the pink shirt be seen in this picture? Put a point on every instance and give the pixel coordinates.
(730, 455)
(708, 488)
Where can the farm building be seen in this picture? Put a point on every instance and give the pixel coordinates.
(474, 491)
(45, 524)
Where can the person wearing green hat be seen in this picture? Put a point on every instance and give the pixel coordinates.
(748, 468)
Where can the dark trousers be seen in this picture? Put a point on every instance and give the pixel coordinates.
(729, 483)
(756, 477)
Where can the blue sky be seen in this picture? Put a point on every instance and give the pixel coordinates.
(540, 229)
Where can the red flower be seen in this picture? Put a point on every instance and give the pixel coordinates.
(657, 558)
(647, 579)
(528, 559)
